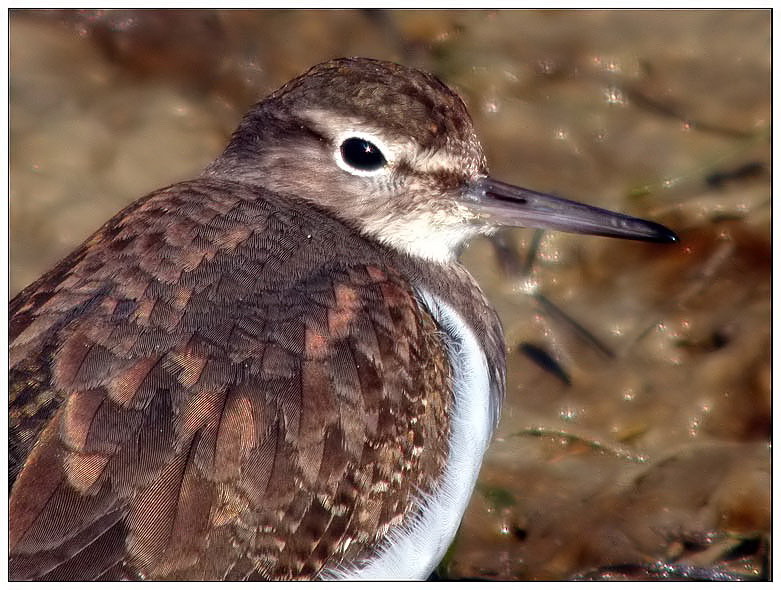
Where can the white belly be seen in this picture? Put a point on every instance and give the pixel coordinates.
(414, 550)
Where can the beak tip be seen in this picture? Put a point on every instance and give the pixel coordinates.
(664, 235)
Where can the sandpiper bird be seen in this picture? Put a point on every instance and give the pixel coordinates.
(277, 370)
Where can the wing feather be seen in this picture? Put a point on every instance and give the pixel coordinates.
(184, 406)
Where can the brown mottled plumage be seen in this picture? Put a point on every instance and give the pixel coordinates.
(236, 377)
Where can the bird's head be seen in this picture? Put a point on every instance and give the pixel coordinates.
(393, 151)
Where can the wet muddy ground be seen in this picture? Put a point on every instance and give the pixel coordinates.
(637, 422)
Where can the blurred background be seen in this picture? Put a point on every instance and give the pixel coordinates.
(635, 433)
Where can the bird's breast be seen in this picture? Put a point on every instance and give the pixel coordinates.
(415, 549)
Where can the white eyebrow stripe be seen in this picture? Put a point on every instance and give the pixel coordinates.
(338, 127)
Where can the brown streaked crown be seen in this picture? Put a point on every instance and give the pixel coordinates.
(399, 100)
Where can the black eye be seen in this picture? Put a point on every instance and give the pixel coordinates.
(362, 154)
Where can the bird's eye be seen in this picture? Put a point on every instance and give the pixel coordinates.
(362, 155)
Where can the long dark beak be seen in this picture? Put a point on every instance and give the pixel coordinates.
(507, 205)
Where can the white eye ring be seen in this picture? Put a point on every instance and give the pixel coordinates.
(378, 152)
